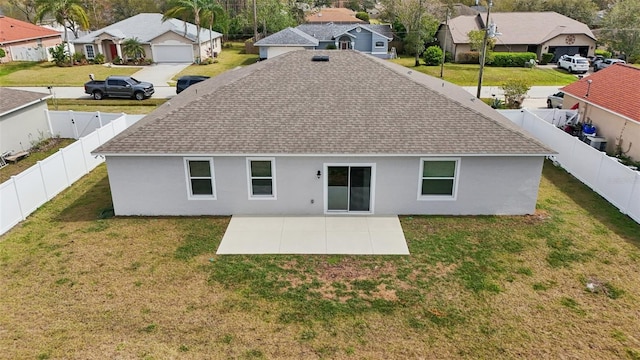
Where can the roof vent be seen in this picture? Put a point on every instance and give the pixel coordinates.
(320, 58)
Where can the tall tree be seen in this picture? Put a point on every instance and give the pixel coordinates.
(621, 27)
(212, 11)
(187, 10)
(69, 13)
(420, 20)
(26, 8)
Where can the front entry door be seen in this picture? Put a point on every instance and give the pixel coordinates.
(349, 188)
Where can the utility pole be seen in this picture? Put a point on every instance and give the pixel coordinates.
(444, 46)
(484, 49)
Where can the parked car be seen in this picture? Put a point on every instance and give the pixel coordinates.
(606, 63)
(594, 59)
(555, 100)
(188, 80)
(574, 64)
(119, 86)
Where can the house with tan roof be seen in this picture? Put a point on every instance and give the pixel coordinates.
(23, 41)
(23, 120)
(536, 32)
(333, 15)
(311, 133)
(172, 40)
(609, 100)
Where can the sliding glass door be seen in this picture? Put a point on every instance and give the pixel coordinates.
(349, 188)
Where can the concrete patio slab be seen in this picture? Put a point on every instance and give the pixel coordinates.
(348, 235)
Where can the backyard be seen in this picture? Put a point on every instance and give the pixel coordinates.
(558, 284)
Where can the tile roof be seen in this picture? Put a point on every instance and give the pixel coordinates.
(146, 27)
(12, 100)
(614, 88)
(327, 32)
(334, 15)
(352, 104)
(288, 36)
(519, 27)
(13, 30)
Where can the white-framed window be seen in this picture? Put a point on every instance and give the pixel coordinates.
(89, 51)
(379, 44)
(201, 183)
(261, 177)
(438, 178)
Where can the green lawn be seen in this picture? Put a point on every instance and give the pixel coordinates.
(467, 75)
(229, 58)
(48, 74)
(475, 287)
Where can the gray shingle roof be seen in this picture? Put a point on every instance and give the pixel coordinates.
(146, 27)
(352, 104)
(326, 32)
(11, 100)
(519, 27)
(288, 36)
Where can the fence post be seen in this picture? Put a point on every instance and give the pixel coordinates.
(75, 127)
(99, 118)
(64, 165)
(84, 157)
(15, 188)
(48, 116)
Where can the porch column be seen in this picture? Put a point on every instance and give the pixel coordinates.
(119, 50)
(99, 46)
(353, 45)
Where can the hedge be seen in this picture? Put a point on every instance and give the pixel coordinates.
(546, 57)
(469, 58)
(606, 54)
(512, 59)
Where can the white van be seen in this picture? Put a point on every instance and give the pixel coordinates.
(574, 64)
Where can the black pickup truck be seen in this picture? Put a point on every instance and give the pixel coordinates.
(119, 86)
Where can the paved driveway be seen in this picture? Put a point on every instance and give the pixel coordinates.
(159, 74)
(356, 235)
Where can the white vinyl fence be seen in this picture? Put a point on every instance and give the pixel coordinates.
(25, 192)
(617, 183)
(76, 124)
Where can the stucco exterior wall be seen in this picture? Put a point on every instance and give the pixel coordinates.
(580, 40)
(609, 126)
(33, 46)
(268, 52)
(20, 128)
(158, 186)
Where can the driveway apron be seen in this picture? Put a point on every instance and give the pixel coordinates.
(159, 74)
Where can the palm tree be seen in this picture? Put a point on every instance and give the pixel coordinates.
(187, 9)
(212, 11)
(69, 13)
(132, 49)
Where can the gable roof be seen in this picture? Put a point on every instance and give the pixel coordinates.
(328, 32)
(13, 100)
(146, 27)
(288, 37)
(293, 105)
(13, 30)
(614, 88)
(519, 27)
(334, 15)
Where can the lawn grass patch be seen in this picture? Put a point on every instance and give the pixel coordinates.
(467, 74)
(229, 58)
(42, 150)
(75, 285)
(48, 74)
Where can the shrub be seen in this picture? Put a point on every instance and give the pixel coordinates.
(331, 47)
(117, 60)
(433, 55)
(2, 53)
(469, 58)
(634, 59)
(362, 16)
(98, 59)
(514, 92)
(606, 54)
(59, 54)
(509, 59)
(448, 56)
(546, 58)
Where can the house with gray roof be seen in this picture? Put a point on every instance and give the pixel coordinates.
(23, 119)
(366, 38)
(311, 133)
(172, 40)
(536, 32)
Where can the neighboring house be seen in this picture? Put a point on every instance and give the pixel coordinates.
(23, 120)
(349, 134)
(333, 15)
(609, 100)
(169, 41)
(370, 39)
(23, 41)
(536, 32)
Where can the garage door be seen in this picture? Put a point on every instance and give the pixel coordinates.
(172, 53)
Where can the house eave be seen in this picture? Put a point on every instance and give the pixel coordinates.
(107, 154)
(26, 105)
(586, 101)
